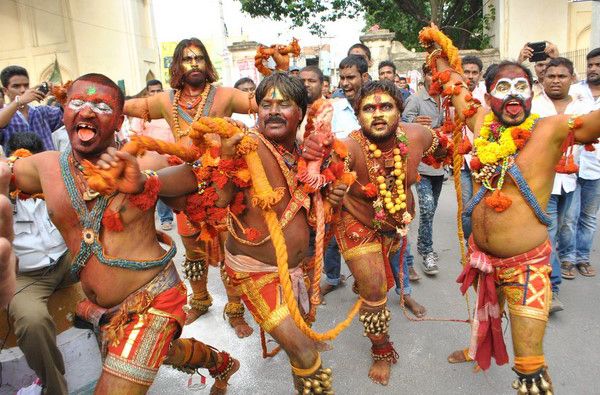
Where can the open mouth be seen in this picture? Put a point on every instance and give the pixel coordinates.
(378, 124)
(513, 107)
(85, 131)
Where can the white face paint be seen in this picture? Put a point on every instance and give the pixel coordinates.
(98, 108)
(511, 87)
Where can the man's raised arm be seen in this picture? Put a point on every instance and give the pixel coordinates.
(8, 269)
(146, 107)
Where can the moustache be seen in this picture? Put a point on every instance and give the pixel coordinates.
(275, 119)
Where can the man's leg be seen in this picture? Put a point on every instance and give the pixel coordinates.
(426, 211)
(332, 262)
(369, 272)
(466, 183)
(567, 220)
(34, 327)
(165, 215)
(586, 225)
(196, 270)
(528, 337)
(558, 271)
(413, 306)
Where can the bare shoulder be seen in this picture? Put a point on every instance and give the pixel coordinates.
(417, 135)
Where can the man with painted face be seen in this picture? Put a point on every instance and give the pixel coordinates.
(135, 296)
(194, 95)
(251, 264)
(377, 209)
(515, 160)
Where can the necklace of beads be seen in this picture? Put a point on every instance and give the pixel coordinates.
(391, 186)
(201, 103)
(289, 158)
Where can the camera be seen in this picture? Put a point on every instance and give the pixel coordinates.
(44, 88)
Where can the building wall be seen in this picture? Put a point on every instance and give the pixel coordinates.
(112, 37)
(561, 22)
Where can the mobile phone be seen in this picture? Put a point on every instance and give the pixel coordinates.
(44, 88)
(538, 51)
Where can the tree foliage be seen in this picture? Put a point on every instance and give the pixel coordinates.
(463, 20)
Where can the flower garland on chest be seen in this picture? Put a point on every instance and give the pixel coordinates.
(387, 180)
(498, 145)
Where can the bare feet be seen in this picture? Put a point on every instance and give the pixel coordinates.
(412, 274)
(220, 386)
(193, 315)
(459, 356)
(197, 308)
(380, 372)
(414, 307)
(241, 327)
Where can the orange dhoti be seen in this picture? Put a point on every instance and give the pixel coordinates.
(356, 239)
(137, 334)
(524, 282)
(261, 290)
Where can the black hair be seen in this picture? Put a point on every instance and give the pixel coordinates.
(9, 72)
(152, 83)
(177, 72)
(555, 62)
(355, 60)
(489, 70)
(492, 72)
(290, 87)
(387, 63)
(361, 46)
(26, 140)
(384, 86)
(425, 69)
(316, 70)
(103, 80)
(593, 53)
(242, 81)
(327, 78)
(402, 78)
(470, 59)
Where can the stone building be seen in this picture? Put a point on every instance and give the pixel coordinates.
(112, 37)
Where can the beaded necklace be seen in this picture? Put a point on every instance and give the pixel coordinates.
(390, 185)
(174, 111)
(289, 158)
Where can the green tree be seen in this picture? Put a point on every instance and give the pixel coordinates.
(463, 20)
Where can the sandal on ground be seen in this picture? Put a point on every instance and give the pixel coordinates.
(567, 270)
(585, 269)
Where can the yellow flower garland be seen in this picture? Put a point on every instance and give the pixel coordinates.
(489, 151)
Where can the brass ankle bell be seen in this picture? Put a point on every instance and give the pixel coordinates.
(523, 389)
(534, 390)
(544, 384)
(515, 384)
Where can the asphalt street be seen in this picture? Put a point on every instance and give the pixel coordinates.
(571, 344)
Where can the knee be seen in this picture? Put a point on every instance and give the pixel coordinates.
(33, 324)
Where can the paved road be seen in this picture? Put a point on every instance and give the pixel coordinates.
(572, 340)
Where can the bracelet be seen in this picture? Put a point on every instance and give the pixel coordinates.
(434, 143)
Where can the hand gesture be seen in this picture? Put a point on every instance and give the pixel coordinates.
(551, 50)
(525, 53)
(31, 95)
(124, 169)
(314, 149)
(336, 194)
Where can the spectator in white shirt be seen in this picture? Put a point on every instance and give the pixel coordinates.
(555, 99)
(587, 194)
(43, 267)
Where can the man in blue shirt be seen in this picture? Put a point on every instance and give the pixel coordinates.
(19, 115)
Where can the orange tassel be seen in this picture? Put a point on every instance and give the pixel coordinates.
(111, 220)
(498, 201)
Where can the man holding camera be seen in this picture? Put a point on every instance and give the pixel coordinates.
(19, 115)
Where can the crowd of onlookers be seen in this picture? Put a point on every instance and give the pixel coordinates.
(573, 205)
